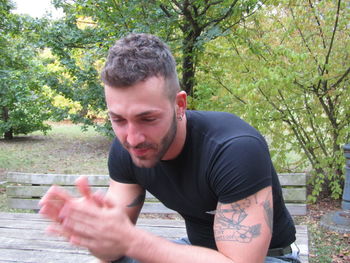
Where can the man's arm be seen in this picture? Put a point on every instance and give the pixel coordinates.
(128, 197)
(242, 232)
(243, 229)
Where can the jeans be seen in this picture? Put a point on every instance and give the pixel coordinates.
(291, 258)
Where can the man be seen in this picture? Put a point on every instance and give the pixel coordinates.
(211, 167)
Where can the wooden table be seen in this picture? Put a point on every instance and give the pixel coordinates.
(23, 239)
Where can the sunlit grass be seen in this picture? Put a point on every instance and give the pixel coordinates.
(65, 149)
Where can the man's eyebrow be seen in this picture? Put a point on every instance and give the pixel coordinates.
(114, 114)
(141, 114)
(145, 113)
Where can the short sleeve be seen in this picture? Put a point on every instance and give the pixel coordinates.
(120, 164)
(240, 168)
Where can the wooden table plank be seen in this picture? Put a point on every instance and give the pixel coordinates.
(40, 245)
(41, 256)
(23, 239)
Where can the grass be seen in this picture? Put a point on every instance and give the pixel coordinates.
(66, 149)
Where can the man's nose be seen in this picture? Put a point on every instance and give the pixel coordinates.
(134, 135)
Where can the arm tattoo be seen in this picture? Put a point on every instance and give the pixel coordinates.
(137, 201)
(256, 199)
(228, 224)
(268, 213)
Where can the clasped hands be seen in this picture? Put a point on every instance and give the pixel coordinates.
(89, 221)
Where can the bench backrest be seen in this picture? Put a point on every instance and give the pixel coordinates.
(24, 190)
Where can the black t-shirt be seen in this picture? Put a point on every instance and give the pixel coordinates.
(224, 159)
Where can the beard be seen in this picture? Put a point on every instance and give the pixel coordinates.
(159, 149)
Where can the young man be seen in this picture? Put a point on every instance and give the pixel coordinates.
(211, 167)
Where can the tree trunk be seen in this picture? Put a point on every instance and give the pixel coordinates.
(8, 135)
(188, 63)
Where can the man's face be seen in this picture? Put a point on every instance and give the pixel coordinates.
(143, 119)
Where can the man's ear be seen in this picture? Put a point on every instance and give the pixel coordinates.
(181, 103)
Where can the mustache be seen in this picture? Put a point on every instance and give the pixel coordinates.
(144, 145)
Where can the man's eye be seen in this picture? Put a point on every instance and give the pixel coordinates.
(148, 119)
(118, 120)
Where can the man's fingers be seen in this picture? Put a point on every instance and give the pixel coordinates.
(98, 198)
(108, 203)
(82, 184)
(51, 210)
(80, 224)
(55, 193)
(53, 201)
(80, 209)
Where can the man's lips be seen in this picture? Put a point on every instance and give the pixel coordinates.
(139, 151)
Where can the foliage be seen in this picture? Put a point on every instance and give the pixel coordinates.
(286, 71)
(24, 105)
(198, 22)
(81, 39)
(77, 48)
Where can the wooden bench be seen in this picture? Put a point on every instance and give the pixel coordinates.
(24, 190)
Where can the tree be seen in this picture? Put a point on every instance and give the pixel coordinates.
(77, 47)
(199, 22)
(82, 38)
(23, 104)
(289, 76)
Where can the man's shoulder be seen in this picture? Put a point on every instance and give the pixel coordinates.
(209, 114)
(219, 124)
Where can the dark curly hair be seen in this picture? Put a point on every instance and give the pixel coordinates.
(138, 57)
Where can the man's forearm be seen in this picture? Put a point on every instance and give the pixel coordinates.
(148, 248)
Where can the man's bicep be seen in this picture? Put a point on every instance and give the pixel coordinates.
(128, 197)
(243, 229)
